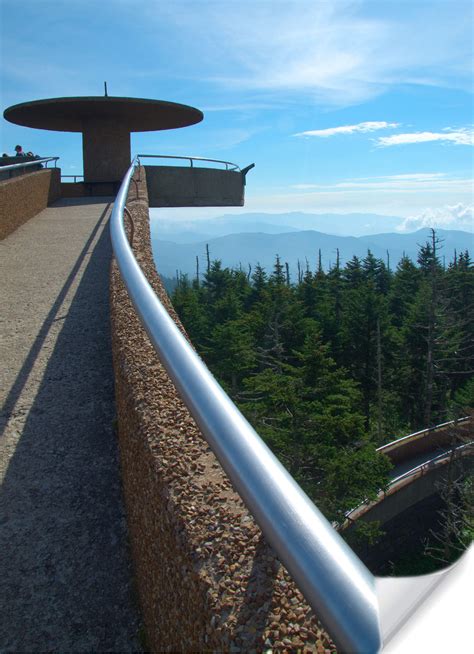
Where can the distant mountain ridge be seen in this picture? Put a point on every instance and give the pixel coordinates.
(194, 230)
(246, 249)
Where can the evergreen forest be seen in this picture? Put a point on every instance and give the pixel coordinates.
(331, 365)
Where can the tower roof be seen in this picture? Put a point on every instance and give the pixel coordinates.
(74, 114)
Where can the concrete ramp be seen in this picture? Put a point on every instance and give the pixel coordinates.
(65, 575)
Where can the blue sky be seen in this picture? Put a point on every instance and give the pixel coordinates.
(344, 106)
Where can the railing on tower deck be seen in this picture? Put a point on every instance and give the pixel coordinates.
(228, 165)
(354, 606)
(74, 178)
(199, 182)
(40, 162)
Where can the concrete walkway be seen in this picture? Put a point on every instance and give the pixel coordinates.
(65, 574)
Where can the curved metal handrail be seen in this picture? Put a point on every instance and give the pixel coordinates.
(337, 585)
(24, 164)
(228, 165)
(393, 445)
(397, 483)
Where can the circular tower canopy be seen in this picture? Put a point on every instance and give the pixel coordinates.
(73, 114)
(105, 123)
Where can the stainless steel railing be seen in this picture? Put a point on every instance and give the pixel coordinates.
(228, 165)
(399, 442)
(73, 177)
(400, 481)
(334, 581)
(25, 164)
(362, 613)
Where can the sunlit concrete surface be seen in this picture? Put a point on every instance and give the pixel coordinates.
(65, 573)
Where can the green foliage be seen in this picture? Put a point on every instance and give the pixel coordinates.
(364, 533)
(464, 398)
(329, 368)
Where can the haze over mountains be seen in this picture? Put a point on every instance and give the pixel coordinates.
(248, 239)
(353, 224)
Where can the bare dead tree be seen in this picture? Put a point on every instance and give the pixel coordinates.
(456, 489)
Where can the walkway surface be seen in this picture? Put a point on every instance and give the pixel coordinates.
(65, 573)
(418, 460)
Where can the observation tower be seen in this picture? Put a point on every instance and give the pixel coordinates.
(106, 124)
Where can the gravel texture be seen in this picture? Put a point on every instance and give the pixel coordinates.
(25, 195)
(65, 572)
(206, 578)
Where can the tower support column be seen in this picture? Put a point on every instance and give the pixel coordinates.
(106, 150)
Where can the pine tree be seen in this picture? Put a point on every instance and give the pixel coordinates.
(404, 287)
(460, 294)
(329, 367)
(230, 353)
(363, 309)
(188, 304)
(308, 415)
(434, 343)
(353, 273)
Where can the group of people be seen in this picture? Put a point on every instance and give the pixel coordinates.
(19, 152)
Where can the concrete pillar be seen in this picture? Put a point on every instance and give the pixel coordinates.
(106, 150)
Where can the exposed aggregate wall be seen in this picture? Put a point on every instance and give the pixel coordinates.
(206, 578)
(24, 196)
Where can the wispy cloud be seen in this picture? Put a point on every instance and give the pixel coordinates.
(403, 183)
(411, 177)
(339, 53)
(390, 203)
(335, 53)
(463, 136)
(243, 107)
(368, 126)
(458, 216)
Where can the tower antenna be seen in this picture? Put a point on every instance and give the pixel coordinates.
(105, 88)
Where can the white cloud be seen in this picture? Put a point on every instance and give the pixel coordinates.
(413, 177)
(368, 126)
(409, 207)
(405, 195)
(403, 183)
(462, 136)
(243, 106)
(339, 53)
(458, 216)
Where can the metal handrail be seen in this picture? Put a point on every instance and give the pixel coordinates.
(334, 581)
(43, 160)
(228, 164)
(361, 612)
(432, 463)
(398, 482)
(73, 176)
(393, 445)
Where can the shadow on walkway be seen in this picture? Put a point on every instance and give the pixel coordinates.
(29, 362)
(65, 580)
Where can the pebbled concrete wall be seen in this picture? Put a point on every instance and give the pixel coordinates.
(24, 196)
(207, 580)
(178, 186)
(10, 161)
(88, 189)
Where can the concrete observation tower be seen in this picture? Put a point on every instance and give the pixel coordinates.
(106, 123)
